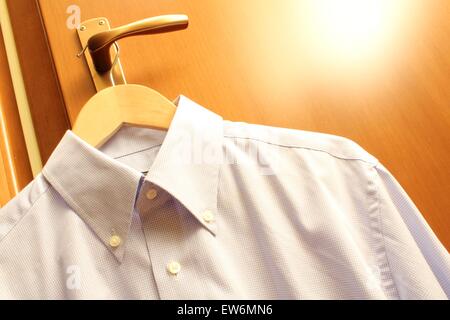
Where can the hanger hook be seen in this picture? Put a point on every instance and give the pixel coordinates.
(116, 59)
(79, 54)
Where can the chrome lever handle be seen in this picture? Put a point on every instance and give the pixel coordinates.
(100, 43)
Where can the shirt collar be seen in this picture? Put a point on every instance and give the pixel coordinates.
(102, 191)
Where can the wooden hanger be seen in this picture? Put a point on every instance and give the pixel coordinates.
(126, 104)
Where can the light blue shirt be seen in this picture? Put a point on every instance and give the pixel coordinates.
(227, 210)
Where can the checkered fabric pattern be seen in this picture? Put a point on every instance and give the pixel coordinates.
(214, 209)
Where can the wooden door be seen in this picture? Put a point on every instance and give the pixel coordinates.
(377, 72)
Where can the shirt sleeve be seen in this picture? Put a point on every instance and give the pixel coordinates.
(418, 262)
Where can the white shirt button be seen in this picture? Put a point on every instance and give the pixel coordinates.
(115, 241)
(151, 194)
(173, 267)
(208, 216)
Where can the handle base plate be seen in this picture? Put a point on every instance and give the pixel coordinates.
(101, 81)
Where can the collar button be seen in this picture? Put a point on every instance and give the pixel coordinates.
(151, 194)
(115, 241)
(208, 216)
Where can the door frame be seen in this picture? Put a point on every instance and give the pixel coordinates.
(44, 94)
(15, 168)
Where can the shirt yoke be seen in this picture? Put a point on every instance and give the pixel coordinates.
(336, 146)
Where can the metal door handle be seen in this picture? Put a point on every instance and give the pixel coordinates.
(100, 43)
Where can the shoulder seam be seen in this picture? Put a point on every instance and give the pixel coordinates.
(373, 163)
(26, 212)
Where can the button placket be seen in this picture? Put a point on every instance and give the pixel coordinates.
(165, 232)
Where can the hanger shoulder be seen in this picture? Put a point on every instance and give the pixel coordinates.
(142, 106)
(99, 119)
(108, 110)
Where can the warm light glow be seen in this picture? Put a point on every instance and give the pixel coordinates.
(352, 30)
(295, 47)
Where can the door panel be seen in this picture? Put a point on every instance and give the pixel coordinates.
(377, 72)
